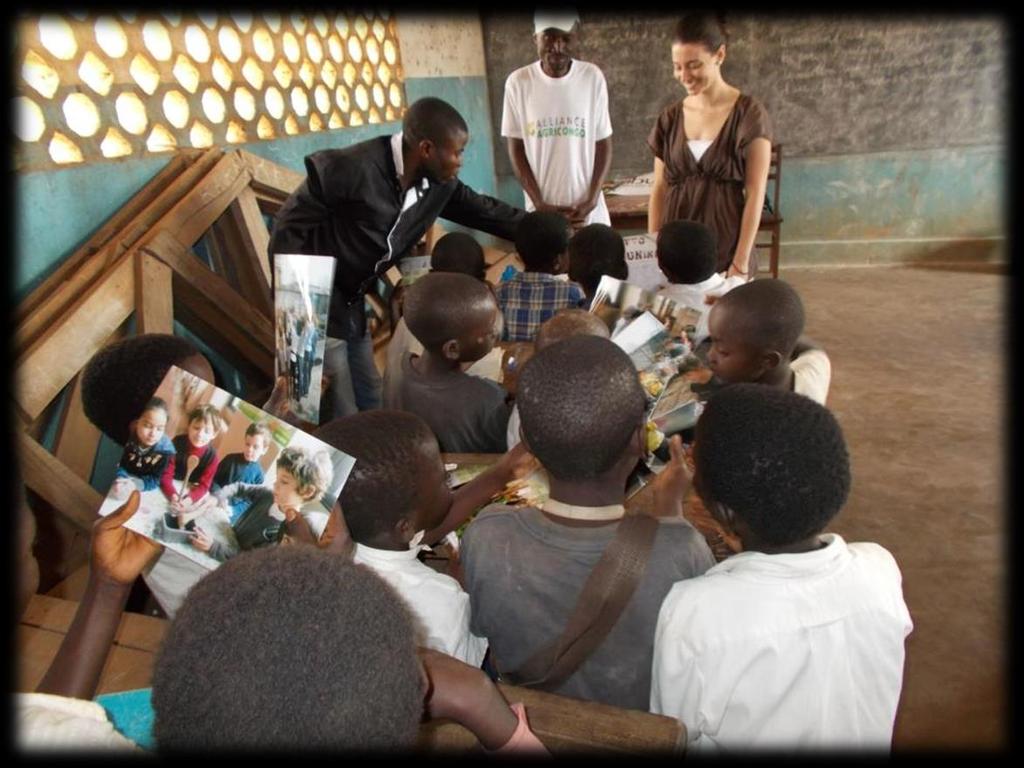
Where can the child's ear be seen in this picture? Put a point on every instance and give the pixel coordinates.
(308, 492)
(772, 359)
(451, 349)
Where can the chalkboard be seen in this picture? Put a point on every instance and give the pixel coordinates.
(832, 84)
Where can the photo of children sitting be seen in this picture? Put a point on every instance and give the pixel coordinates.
(232, 478)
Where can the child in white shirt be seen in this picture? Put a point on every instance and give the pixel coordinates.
(797, 641)
(394, 494)
(687, 253)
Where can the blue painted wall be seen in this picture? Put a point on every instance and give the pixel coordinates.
(58, 210)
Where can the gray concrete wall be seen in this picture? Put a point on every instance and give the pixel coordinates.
(867, 108)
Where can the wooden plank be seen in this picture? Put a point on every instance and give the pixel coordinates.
(77, 437)
(570, 726)
(268, 176)
(197, 211)
(154, 300)
(144, 633)
(56, 356)
(269, 202)
(64, 293)
(245, 210)
(214, 290)
(153, 189)
(69, 494)
(252, 281)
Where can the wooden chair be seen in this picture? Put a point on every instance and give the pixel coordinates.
(771, 216)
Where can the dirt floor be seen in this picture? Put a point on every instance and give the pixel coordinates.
(919, 388)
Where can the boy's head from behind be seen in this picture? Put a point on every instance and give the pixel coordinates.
(453, 315)
(397, 485)
(775, 460)
(458, 252)
(289, 648)
(302, 475)
(753, 329)
(687, 252)
(581, 407)
(204, 424)
(596, 250)
(542, 239)
(567, 323)
(119, 380)
(257, 441)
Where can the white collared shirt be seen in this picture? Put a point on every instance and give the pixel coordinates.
(790, 651)
(812, 374)
(436, 600)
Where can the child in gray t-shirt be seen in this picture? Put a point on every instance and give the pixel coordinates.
(457, 320)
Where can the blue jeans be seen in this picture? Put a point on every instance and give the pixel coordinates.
(355, 383)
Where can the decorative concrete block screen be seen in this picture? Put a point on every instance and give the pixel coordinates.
(98, 85)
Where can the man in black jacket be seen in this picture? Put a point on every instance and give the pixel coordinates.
(367, 205)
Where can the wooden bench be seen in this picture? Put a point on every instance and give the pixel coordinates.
(563, 724)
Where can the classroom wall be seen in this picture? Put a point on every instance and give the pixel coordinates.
(442, 55)
(893, 127)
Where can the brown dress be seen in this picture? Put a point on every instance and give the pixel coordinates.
(710, 191)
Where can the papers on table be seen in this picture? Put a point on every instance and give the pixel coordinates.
(638, 185)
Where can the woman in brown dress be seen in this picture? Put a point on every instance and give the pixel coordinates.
(712, 149)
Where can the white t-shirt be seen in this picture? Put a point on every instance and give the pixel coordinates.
(812, 373)
(694, 295)
(560, 120)
(785, 651)
(57, 723)
(436, 600)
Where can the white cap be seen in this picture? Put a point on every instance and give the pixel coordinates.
(563, 20)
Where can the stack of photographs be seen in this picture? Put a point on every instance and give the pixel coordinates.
(618, 302)
(218, 476)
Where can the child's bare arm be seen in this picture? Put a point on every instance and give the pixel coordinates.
(467, 696)
(469, 498)
(118, 556)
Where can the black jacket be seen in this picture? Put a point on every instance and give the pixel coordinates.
(347, 207)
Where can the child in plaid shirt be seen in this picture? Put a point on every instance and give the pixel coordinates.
(531, 297)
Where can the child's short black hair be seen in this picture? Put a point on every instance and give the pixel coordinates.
(580, 402)
(567, 323)
(766, 314)
(777, 459)
(541, 237)
(594, 251)
(458, 252)
(288, 648)
(445, 305)
(120, 378)
(687, 251)
(392, 449)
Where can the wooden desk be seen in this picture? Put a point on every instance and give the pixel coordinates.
(628, 211)
(563, 724)
(47, 619)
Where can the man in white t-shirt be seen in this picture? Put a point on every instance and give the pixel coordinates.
(557, 125)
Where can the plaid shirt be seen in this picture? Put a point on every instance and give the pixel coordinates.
(530, 298)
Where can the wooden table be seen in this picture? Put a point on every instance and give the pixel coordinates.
(563, 724)
(628, 211)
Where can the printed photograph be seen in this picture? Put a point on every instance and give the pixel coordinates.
(618, 302)
(218, 476)
(302, 298)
